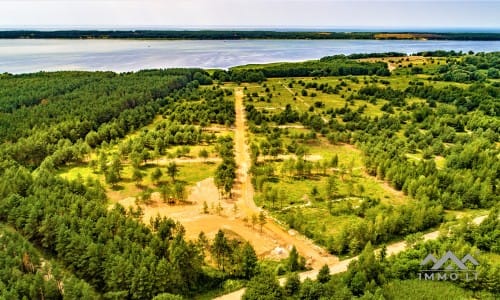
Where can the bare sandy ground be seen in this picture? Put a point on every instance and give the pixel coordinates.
(194, 220)
(272, 242)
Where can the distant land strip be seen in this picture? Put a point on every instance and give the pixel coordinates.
(237, 35)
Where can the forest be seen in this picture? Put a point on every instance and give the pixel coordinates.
(379, 276)
(354, 153)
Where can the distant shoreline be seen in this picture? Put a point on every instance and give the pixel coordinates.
(244, 34)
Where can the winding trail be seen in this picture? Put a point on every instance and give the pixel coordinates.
(341, 266)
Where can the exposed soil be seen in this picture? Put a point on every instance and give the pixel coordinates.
(273, 241)
(194, 220)
(315, 256)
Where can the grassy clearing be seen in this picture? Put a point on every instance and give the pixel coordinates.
(274, 94)
(192, 169)
(309, 195)
(189, 173)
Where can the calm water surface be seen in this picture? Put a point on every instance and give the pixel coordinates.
(22, 56)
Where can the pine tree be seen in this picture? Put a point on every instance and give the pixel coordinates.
(156, 175)
(292, 284)
(172, 170)
(323, 274)
(249, 262)
(293, 260)
(262, 219)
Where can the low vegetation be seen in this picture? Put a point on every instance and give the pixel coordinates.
(354, 152)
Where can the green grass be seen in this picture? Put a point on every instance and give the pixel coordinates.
(72, 172)
(283, 95)
(189, 172)
(317, 219)
(192, 173)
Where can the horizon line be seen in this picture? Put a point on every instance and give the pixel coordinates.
(251, 27)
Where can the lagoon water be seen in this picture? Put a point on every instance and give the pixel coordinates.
(24, 56)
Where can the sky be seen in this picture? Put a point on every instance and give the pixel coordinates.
(130, 14)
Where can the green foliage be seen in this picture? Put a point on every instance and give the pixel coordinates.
(233, 257)
(323, 274)
(172, 170)
(156, 175)
(90, 106)
(202, 107)
(295, 262)
(107, 248)
(418, 289)
(23, 273)
(435, 141)
(326, 66)
(249, 262)
(226, 171)
(469, 69)
(310, 290)
(167, 296)
(292, 284)
(264, 286)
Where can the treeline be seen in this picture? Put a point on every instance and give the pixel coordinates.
(440, 53)
(32, 89)
(472, 68)
(323, 67)
(164, 135)
(478, 96)
(466, 181)
(229, 35)
(363, 55)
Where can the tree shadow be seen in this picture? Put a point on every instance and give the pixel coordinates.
(117, 187)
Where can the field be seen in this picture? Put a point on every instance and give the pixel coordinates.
(198, 183)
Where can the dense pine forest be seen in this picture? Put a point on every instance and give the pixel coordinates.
(353, 152)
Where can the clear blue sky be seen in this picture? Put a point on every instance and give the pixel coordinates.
(252, 13)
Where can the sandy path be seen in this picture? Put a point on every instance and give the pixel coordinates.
(243, 191)
(273, 237)
(341, 266)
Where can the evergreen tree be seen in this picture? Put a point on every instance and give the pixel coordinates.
(323, 274)
(292, 284)
(249, 262)
(264, 286)
(172, 170)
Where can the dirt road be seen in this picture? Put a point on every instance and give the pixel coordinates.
(243, 191)
(341, 266)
